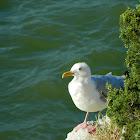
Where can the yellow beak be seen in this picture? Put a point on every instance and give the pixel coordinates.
(66, 74)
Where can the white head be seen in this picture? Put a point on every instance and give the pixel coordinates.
(78, 70)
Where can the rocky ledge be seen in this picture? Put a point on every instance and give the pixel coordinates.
(83, 134)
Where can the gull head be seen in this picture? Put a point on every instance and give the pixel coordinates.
(80, 69)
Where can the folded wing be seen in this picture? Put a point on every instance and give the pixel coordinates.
(101, 80)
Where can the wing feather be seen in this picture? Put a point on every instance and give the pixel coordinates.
(101, 80)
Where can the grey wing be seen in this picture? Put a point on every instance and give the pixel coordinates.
(101, 80)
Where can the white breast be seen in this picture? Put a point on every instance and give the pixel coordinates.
(85, 96)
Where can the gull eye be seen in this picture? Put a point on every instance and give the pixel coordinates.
(80, 68)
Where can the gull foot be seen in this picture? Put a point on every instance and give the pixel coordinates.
(82, 125)
(91, 129)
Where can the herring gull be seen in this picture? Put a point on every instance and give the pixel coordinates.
(88, 91)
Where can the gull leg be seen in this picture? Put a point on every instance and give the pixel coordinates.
(82, 125)
(90, 128)
(99, 115)
(85, 121)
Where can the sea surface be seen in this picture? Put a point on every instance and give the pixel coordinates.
(41, 39)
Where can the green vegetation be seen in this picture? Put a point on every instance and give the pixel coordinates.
(109, 132)
(123, 105)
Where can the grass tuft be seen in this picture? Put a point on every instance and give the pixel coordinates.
(108, 132)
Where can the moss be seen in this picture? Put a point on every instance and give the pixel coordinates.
(123, 106)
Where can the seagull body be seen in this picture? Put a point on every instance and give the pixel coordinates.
(88, 91)
(84, 98)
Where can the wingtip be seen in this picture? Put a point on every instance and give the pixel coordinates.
(127, 73)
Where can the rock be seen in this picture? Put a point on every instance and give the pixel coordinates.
(83, 134)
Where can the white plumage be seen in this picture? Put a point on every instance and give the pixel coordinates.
(88, 91)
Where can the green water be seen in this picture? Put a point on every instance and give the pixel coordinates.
(39, 40)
